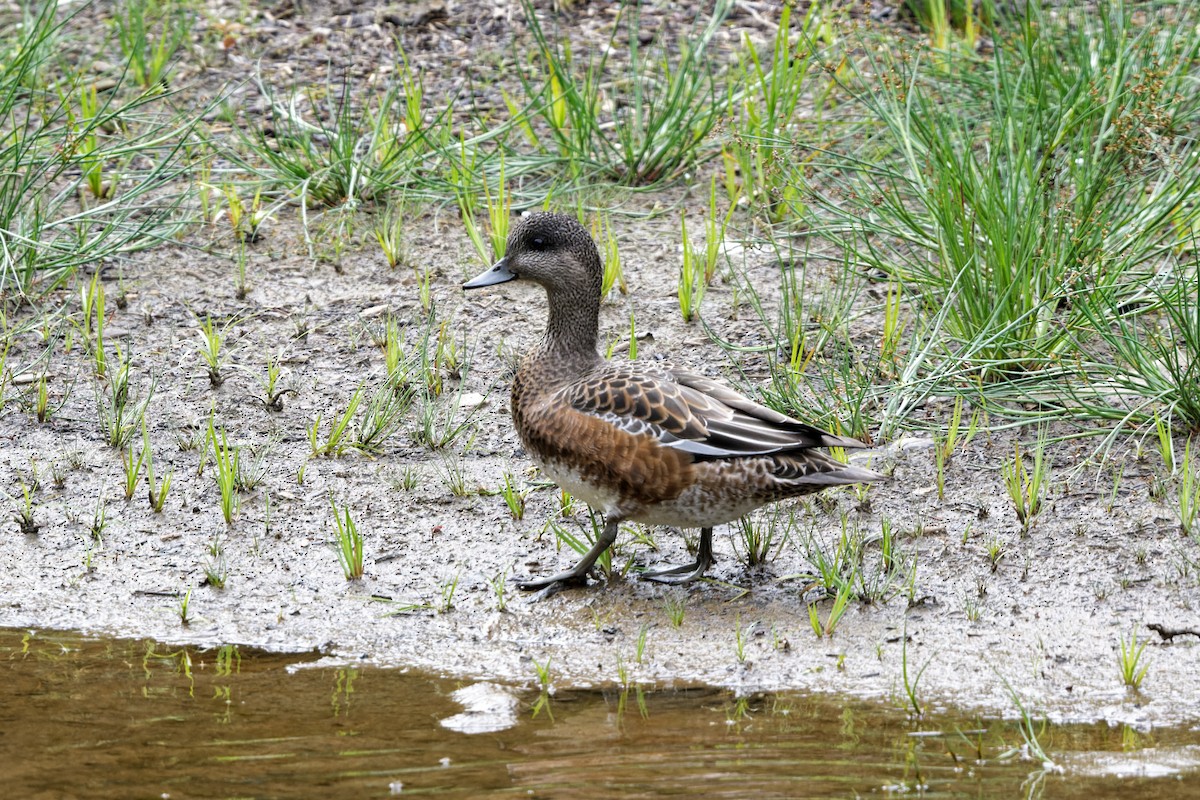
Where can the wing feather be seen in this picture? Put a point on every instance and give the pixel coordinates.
(692, 413)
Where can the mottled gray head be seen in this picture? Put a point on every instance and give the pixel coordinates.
(553, 250)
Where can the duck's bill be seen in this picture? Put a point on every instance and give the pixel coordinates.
(497, 273)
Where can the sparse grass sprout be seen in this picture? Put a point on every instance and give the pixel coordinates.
(347, 542)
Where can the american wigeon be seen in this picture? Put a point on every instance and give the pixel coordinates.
(638, 441)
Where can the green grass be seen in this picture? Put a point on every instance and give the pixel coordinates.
(347, 542)
(739, 639)
(581, 544)
(250, 466)
(660, 128)
(490, 241)
(756, 158)
(1132, 665)
(758, 537)
(149, 33)
(1031, 733)
(120, 413)
(675, 609)
(441, 358)
(384, 414)
(245, 219)
(61, 144)
(338, 441)
(446, 591)
(390, 233)
(212, 350)
(1026, 487)
(912, 682)
(614, 272)
(1144, 357)
(943, 448)
(1027, 203)
(273, 391)
(226, 463)
(514, 497)
(1005, 295)
(324, 149)
(841, 599)
(216, 569)
(817, 371)
(692, 284)
(183, 610)
(947, 19)
(134, 459)
(868, 566)
(99, 521)
(43, 405)
(1188, 493)
(545, 688)
(156, 490)
(499, 587)
(6, 341)
(24, 516)
(394, 358)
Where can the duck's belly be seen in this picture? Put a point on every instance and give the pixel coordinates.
(600, 498)
(697, 507)
(720, 495)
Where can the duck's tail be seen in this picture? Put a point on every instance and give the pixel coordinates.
(816, 470)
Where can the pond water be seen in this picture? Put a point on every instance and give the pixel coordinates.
(102, 718)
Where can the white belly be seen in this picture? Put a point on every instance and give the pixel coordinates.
(599, 498)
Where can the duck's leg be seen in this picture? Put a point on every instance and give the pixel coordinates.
(578, 574)
(688, 572)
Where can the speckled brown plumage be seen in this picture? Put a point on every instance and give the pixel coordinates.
(640, 442)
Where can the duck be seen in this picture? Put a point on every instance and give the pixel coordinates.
(641, 442)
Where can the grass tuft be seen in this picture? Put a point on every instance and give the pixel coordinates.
(667, 108)
(86, 178)
(1188, 493)
(226, 460)
(1133, 667)
(149, 33)
(1026, 487)
(347, 542)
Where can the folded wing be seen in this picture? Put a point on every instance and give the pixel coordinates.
(693, 413)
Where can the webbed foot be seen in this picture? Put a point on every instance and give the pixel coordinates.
(555, 583)
(686, 573)
(578, 574)
(677, 576)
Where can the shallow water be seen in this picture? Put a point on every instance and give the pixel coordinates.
(102, 718)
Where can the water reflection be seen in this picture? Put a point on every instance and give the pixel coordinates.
(118, 719)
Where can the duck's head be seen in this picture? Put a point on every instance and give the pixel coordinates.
(553, 250)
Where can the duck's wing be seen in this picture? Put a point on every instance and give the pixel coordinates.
(722, 393)
(692, 413)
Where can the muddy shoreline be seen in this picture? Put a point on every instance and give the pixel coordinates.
(1046, 620)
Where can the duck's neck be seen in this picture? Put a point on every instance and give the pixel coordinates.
(572, 329)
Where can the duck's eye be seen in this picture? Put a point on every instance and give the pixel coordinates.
(537, 243)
